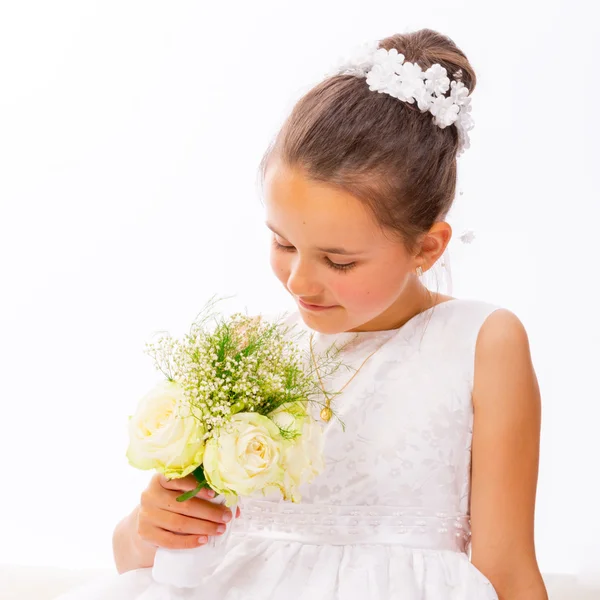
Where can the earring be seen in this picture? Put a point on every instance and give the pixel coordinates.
(419, 271)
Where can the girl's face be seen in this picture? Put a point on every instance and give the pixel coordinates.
(332, 256)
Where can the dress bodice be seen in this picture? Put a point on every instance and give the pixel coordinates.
(398, 455)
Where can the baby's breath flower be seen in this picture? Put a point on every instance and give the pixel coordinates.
(236, 364)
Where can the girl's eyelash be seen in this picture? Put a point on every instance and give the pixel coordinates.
(279, 246)
(339, 267)
(330, 263)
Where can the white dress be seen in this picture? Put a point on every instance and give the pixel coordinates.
(389, 517)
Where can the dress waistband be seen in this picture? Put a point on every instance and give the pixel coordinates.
(323, 524)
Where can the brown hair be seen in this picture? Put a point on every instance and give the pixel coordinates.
(384, 151)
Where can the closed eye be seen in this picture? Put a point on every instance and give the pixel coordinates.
(283, 247)
(333, 265)
(340, 266)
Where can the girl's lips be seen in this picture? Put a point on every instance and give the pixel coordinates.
(313, 307)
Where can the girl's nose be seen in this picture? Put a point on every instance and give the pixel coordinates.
(302, 281)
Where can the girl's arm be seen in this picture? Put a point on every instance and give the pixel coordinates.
(129, 550)
(505, 453)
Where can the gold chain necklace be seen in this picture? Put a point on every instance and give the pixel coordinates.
(326, 412)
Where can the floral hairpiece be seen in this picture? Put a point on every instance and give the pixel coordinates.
(467, 236)
(386, 72)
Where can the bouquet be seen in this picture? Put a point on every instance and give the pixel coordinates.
(234, 412)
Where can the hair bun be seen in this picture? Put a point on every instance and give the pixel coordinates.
(427, 47)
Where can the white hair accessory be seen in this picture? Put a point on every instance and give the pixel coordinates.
(467, 236)
(386, 72)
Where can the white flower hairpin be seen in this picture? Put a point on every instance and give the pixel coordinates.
(467, 236)
(387, 72)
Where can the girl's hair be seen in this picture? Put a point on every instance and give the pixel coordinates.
(383, 151)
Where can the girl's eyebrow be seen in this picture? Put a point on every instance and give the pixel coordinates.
(326, 250)
(336, 251)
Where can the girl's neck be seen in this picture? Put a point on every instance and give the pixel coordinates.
(409, 304)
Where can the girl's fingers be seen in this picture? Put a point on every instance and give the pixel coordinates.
(194, 507)
(166, 539)
(186, 484)
(181, 524)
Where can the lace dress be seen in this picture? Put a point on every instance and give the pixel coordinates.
(389, 517)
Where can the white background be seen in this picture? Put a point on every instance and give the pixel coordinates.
(130, 136)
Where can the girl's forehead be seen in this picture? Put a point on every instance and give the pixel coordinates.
(294, 201)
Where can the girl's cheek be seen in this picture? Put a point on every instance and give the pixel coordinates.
(358, 293)
(279, 267)
(348, 292)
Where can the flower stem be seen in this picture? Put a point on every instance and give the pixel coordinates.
(202, 483)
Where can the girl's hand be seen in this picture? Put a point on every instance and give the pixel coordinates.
(164, 522)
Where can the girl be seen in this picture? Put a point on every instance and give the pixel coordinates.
(439, 457)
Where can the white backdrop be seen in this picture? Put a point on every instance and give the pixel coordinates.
(130, 135)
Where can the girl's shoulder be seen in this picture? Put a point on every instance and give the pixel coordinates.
(471, 310)
(460, 328)
(460, 320)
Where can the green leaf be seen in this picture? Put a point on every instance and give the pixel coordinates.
(198, 473)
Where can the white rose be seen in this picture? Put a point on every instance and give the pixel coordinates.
(245, 456)
(163, 435)
(303, 457)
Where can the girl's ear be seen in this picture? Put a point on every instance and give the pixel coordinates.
(433, 243)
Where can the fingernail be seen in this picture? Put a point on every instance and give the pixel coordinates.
(202, 539)
(220, 528)
(211, 493)
(227, 516)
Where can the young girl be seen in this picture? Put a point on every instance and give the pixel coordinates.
(439, 456)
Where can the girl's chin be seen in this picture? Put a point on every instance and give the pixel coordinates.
(321, 322)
